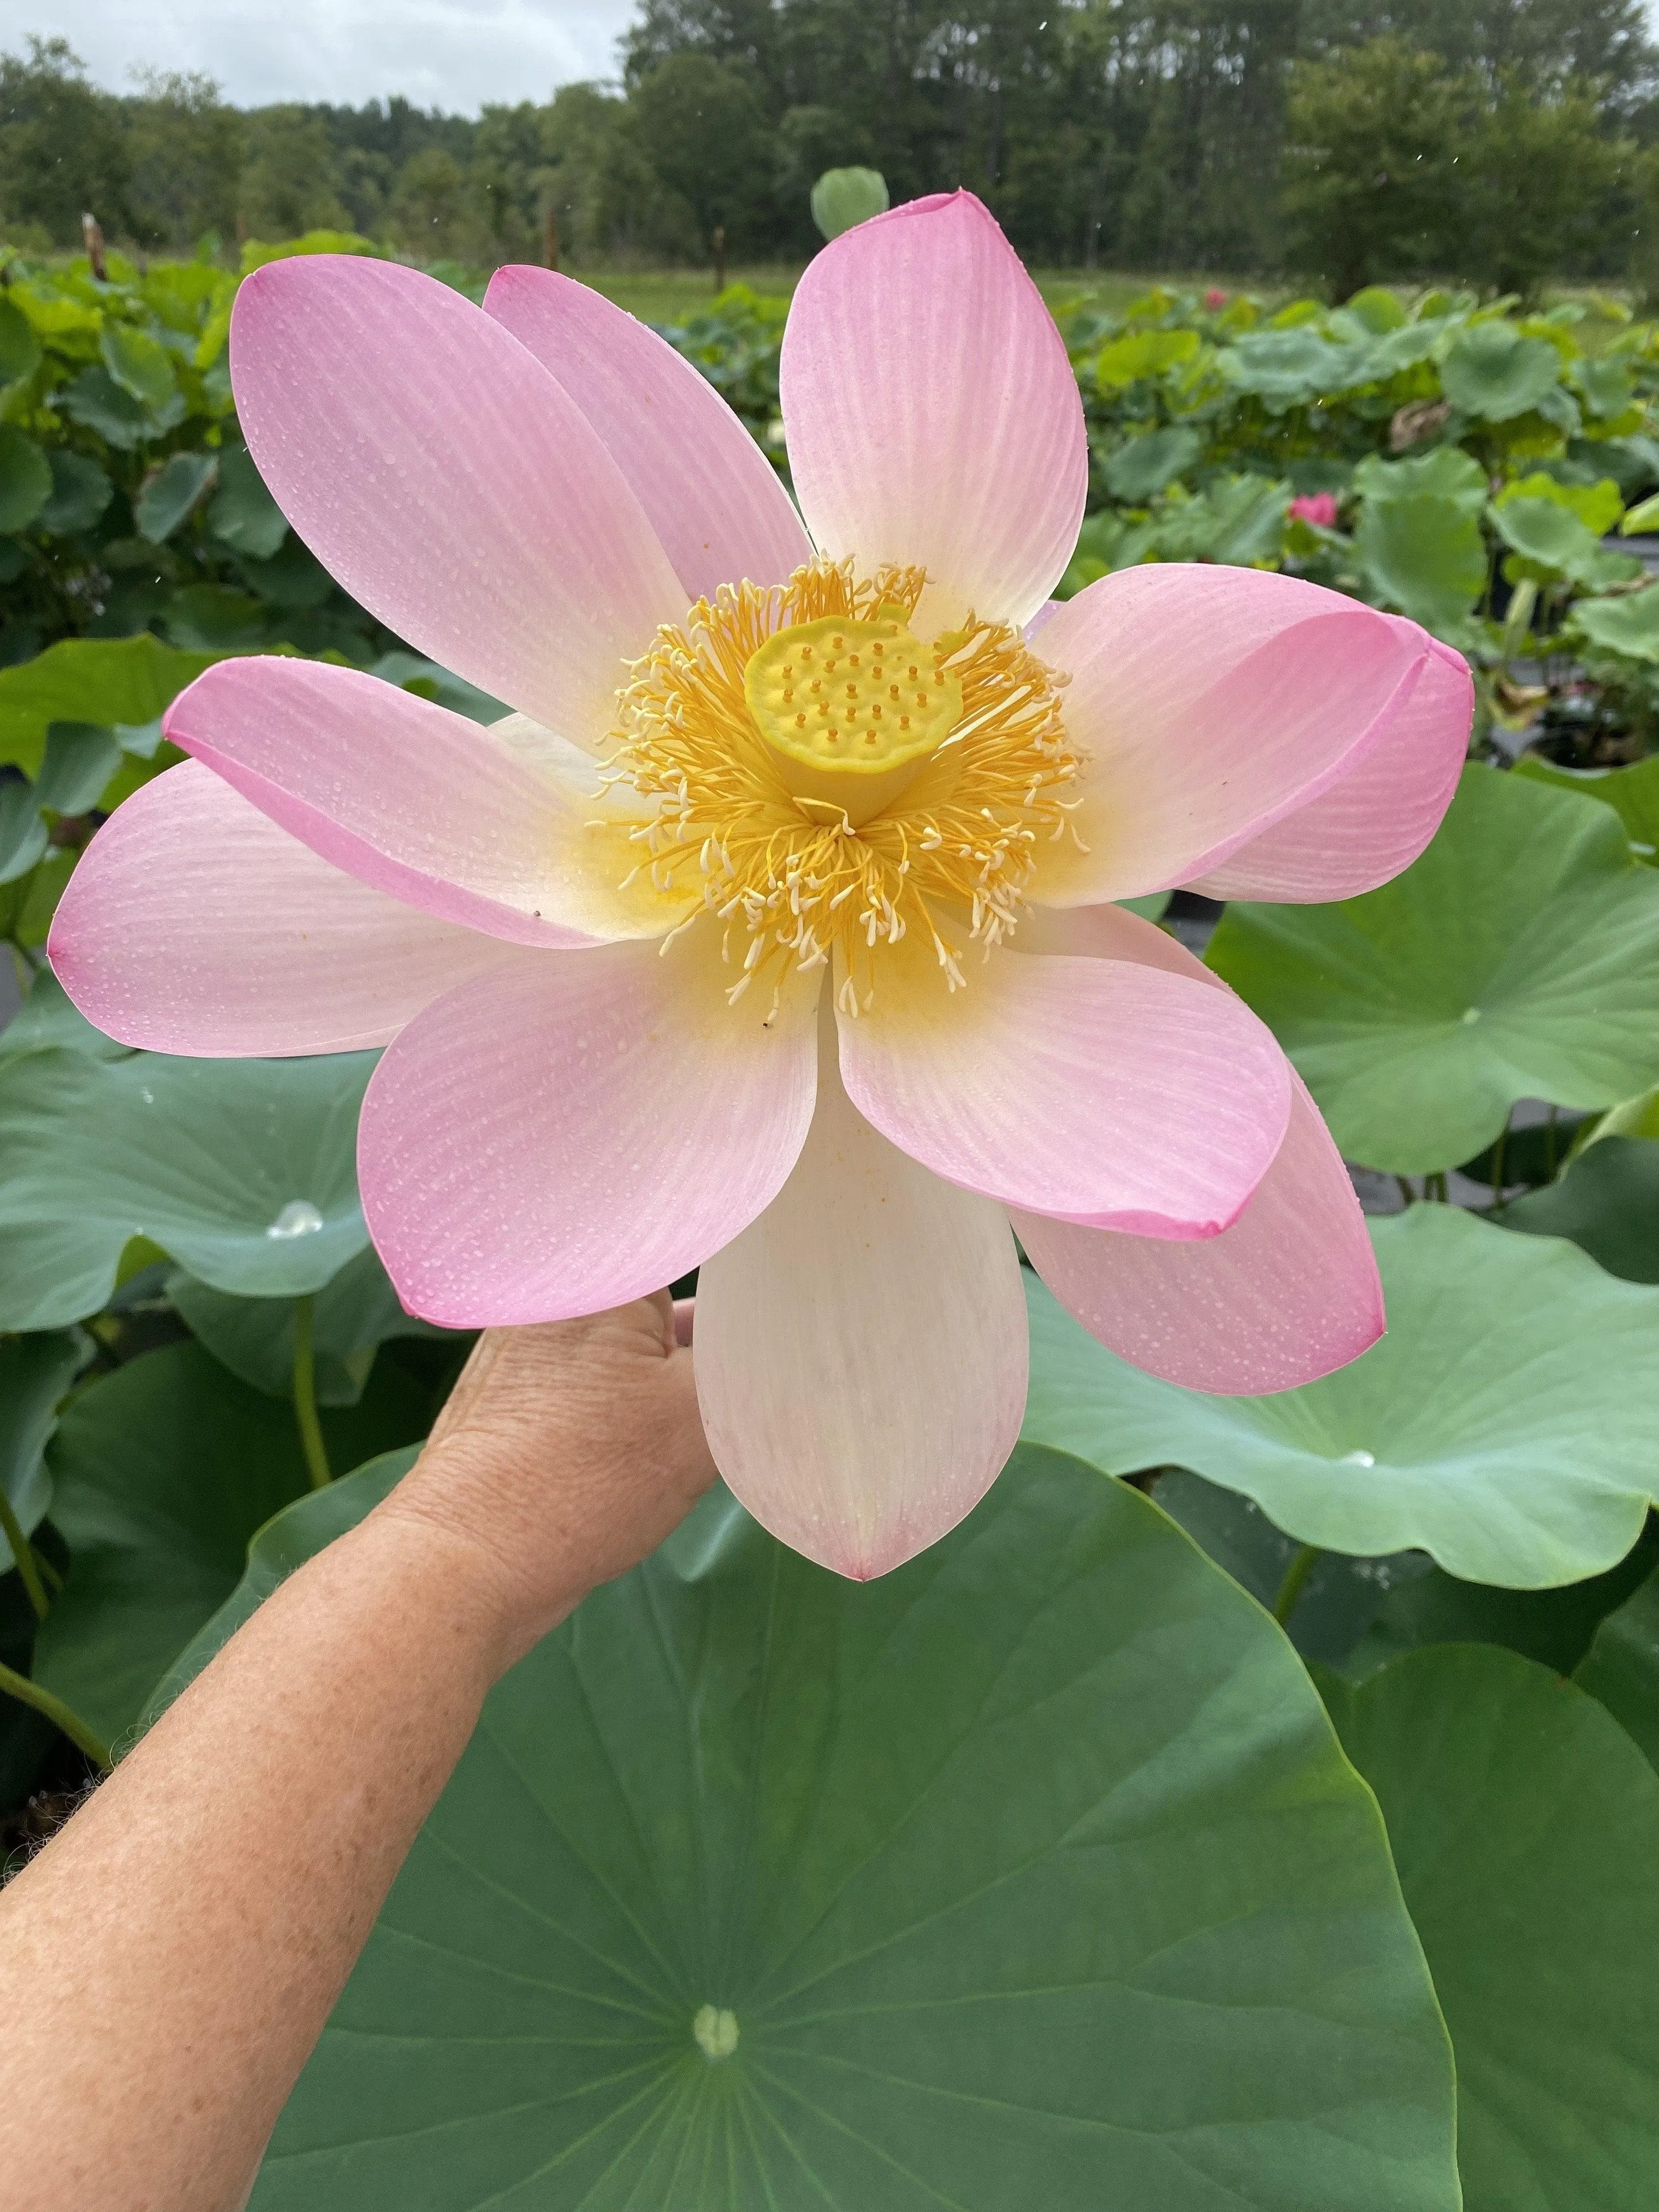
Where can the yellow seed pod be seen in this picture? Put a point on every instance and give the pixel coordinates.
(855, 699)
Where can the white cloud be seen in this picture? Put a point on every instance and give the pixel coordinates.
(451, 54)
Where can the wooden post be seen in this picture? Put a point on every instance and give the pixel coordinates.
(720, 256)
(550, 239)
(94, 237)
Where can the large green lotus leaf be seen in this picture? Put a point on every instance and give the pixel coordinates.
(1632, 793)
(1621, 1667)
(1423, 555)
(243, 512)
(1629, 626)
(1545, 532)
(1144, 466)
(1124, 361)
(81, 490)
(139, 364)
(1028, 1875)
(355, 1313)
(287, 1540)
(19, 349)
(1525, 1825)
(170, 493)
(160, 1475)
(1608, 1202)
(1518, 957)
(24, 479)
(1491, 371)
(242, 1169)
(105, 680)
(1446, 472)
(1288, 368)
(36, 1371)
(1504, 1425)
(49, 1017)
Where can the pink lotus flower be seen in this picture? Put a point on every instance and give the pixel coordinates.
(1215, 298)
(1318, 507)
(796, 958)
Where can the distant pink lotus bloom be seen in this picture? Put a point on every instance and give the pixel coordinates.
(1215, 299)
(773, 929)
(1318, 507)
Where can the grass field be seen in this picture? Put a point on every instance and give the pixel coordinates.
(674, 295)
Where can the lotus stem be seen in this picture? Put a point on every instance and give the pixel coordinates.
(1296, 1575)
(305, 1393)
(63, 1717)
(23, 1551)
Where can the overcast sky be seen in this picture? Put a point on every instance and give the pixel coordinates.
(452, 54)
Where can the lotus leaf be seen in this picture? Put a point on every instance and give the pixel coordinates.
(758, 1888)
(1516, 1803)
(1518, 957)
(1504, 1425)
(243, 1171)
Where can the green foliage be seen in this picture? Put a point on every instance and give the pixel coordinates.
(161, 1472)
(1086, 1899)
(1462, 1433)
(242, 1171)
(833, 1861)
(36, 1371)
(1400, 164)
(1518, 957)
(1606, 1201)
(1514, 1802)
(1621, 1667)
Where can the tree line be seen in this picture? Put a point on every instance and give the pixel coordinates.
(1500, 140)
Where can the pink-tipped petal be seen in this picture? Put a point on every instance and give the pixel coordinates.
(931, 414)
(861, 1350)
(450, 484)
(1207, 703)
(1099, 1090)
(193, 925)
(708, 490)
(448, 816)
(576, 1129)
(1288, 1293)
(1376, 818)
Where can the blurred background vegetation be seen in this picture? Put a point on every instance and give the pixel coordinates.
(1499, 141)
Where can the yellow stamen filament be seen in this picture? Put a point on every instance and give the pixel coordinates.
(935, 830)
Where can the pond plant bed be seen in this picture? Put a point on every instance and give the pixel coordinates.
(1249, 1794)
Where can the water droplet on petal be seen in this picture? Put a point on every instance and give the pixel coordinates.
(298, 1217)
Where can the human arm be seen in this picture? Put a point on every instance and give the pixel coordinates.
(168, 1960)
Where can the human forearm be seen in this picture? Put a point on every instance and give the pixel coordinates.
(168, 1960)
(166, 1966)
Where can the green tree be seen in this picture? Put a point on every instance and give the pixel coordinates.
(63, 145)
(1541, 182)
(1371, 168)
(703, 122)
(185, 150)
(289, 186)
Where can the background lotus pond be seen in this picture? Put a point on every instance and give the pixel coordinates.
(1048, 1867)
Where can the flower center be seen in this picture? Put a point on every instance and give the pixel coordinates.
(852, 708)
(830, 781)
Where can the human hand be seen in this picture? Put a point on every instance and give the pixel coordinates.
(567, 1451)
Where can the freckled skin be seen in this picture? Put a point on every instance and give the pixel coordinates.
(168, 1960)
